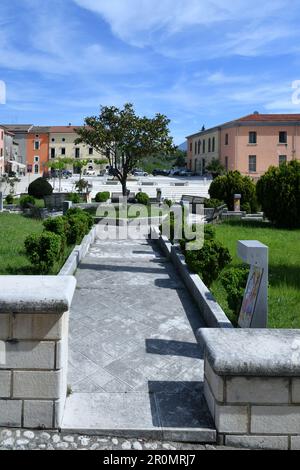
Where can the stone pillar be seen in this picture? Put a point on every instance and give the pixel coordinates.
(237, 202)
(158, 195)
(66, 206)
(34, 315)
(1, 201)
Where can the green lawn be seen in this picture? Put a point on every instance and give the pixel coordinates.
(13, 231)
(284, 269)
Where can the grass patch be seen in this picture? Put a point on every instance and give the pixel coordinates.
(14, 228)
(284, 268)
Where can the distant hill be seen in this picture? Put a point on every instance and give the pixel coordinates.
(183, 146)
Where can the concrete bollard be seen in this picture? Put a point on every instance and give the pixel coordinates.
(237, 202)
(1, 202)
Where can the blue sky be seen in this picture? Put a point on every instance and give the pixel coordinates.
(198, 61)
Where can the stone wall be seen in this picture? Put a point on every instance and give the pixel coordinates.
(252, 386)
(34, 314)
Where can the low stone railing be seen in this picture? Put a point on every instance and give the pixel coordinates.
(252, 386)
(34, 315)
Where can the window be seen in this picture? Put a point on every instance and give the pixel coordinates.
(213, 144)
(191, 147)
(195, 147)
(252, 163)
(203, 166)
(52, 140)
(52, 152)
(209, 145)
(36, 168)
(283, 137)
(226, 163)
(199, 146)
(63, 139)
(226, 139)
(63, 151)
(36, 145)
(91, 151)
(282, 159)
(77, 152)
(203, 146)
(36, 159)
(252, 137)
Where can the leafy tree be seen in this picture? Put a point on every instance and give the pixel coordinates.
(180, 161)
(58, 166)
(126, 138)
(278, 192)
(215, 168)
(225, 187)
(40, 188)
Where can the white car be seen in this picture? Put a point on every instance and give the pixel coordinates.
(91, 173)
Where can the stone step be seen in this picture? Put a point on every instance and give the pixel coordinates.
(181, 417)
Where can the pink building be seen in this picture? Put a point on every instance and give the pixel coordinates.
(254, 143)
(1, 151)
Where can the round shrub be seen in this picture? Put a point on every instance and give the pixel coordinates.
(212, 203)
(79, 225)
(40, 188)
(225, 187)
(142, 198)
(9, 199)
(209, 261)
(102, 196)
(278, 192)
(43, 251)
(26, 201)
(234, 281)
(74, 197)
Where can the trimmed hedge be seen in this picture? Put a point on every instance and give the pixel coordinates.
(278, 192)
(225, 187)
(102, 196)
(25, 201)
(43, 250)
(142, 198)
(40, 188)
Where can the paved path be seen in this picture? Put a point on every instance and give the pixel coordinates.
(135, 366)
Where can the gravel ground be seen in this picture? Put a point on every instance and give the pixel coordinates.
(47, 440)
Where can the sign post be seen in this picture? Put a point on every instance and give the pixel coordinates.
(254, 311)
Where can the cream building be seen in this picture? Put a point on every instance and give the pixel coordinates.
(203, 147)
(62, 145)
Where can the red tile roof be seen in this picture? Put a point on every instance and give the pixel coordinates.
(63, 129)
(269, 118)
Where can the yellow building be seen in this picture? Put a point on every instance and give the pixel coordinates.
(62, 145)
(203, 147)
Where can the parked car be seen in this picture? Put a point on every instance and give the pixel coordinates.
(90, 173)
(158, 172)
(140, 173)
(67, 174)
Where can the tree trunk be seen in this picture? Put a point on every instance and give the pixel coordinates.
(124, 187)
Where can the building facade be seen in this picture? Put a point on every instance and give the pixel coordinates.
(250, 144)
(62, 145)
(203, 147)
(37, 150)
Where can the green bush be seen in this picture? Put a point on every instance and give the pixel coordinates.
(209, 261)
(278, 192)
(43, 251)
(225, 187)
(26, 201)
(74, 197)
(9, 199)
(79, 225)
(212, 203)
(102, 196)
(40, 188)
(168, 202)
(234, 281)
(59, 226)
(142, 198)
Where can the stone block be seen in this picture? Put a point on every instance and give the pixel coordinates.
(37, 384)
(61, 354)
(29, 355)
(231, 419)
(258, 442)
(5, 382)
(37, 326)
(296, 390)
(295, 443)
(11, 413)
(215, 381)
(4, 326)
(210, 400)
(38, 414)
(275, 419)
(257, 390)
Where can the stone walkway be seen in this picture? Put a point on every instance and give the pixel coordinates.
(135, 367)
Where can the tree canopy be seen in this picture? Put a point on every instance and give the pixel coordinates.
(126, 138)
